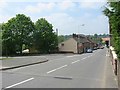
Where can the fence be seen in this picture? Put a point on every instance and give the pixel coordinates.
(114, 60)
(116, 64)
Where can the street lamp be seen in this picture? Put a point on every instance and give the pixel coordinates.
(79, 38)
(78, 27)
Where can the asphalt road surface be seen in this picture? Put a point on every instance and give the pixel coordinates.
(89, 70)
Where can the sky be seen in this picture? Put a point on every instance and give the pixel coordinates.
(68, 16)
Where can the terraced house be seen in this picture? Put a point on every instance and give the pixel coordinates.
(77, 44)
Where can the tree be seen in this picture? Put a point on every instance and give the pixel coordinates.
(8, 41)
(113, 13)
(61, 38)
(45, 39)
(16, 32)
(0, 39)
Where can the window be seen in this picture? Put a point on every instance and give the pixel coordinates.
(62, 44)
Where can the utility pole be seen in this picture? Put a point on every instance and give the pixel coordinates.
(79, 38)
(57, 38)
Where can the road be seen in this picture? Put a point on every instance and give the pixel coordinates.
(89, 70)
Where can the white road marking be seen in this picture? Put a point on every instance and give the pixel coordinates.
(70, 56)
(20, 83)
(90, 56)
(75, 61)
(56, 69)
(83, 58)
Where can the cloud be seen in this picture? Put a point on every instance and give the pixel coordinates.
(67, 24)
(62, 21)
(48, 6)
(66, 4)
(5, 18)
(59, 0)
(39, 7)
(3, 3)
(91, 5)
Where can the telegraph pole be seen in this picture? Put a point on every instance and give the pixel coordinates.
(57, 38)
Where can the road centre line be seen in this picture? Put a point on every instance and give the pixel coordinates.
(89, 56)
(56, 69)
(81, 59)
(19, 83)
(70, 56)
(66, 65)
(75, 61)
(84, 58)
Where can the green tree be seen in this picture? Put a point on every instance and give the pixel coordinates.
(44, 37)
(61, 38)
(113, 14)
(16, 32)
(0, 39)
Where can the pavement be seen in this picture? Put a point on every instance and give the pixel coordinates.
(16, 62)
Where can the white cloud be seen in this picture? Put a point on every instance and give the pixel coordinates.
(91, 5)
(5, 18)
(98, 25)
(59, 0)
(39, 7)
(69, 25)
(63, 21)
(47, 6)
(3, 3)
(66, 4)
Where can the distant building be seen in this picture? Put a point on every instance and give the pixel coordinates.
(106, 41)
(77, 44)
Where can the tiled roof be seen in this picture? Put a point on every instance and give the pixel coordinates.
(81, 38)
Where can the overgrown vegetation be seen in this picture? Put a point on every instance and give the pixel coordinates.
(0, 39)
(113, 13)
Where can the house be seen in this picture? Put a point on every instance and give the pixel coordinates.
(106, 39)
(69, 45)
(77, 44)
(92, 43)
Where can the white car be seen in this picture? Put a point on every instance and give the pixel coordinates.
(89, 50)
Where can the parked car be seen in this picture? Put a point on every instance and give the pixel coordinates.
(89, 50)
(95, 48)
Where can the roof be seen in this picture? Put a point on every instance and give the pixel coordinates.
(106, 39)
(80, 38)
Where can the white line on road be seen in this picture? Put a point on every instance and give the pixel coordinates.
(56, 69)
(70, 56)
(20, 83)
(81, 59)
(75, 61)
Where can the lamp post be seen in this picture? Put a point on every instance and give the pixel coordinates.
(57, 39)
(79, 38)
